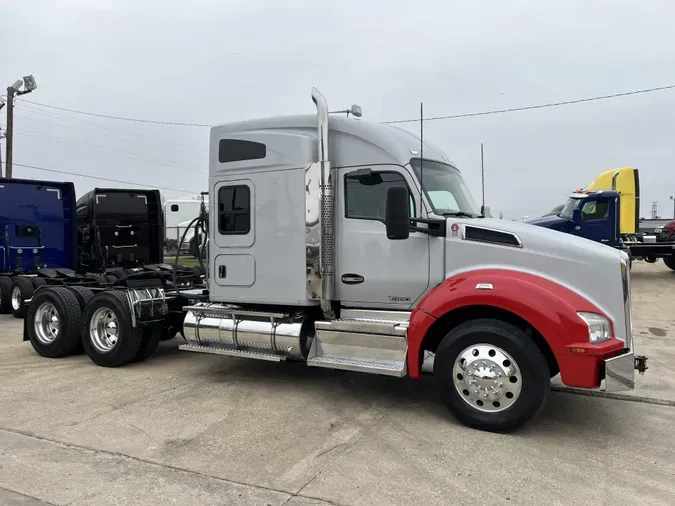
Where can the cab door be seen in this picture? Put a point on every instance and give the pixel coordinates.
(373, 271)
(597, 221)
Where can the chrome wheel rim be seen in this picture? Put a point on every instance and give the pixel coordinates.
(104, 330)
(487, 378)
(46, 323)
(17, 300)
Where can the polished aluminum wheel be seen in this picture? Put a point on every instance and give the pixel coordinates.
(103, 330)
(46, 323)
(487, 378)
(17, 300)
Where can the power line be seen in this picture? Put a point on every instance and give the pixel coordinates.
(539, 106)
(83, 123)
(132, 155)
(123, 118)
(46, 169)
(432, 118)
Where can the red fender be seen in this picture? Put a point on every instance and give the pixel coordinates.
(548, 306)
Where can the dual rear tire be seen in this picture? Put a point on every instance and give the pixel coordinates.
(670, 262)
(61, 321)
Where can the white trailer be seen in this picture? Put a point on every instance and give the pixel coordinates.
(178, 214)
(329, 243)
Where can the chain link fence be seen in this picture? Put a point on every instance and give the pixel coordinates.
(189, 247)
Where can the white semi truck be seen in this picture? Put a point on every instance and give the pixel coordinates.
(353, 245)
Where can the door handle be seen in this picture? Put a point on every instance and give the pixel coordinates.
(577, 227)
(222, 271)
(352, 279)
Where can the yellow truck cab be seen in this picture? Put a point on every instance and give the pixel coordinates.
(626, 181)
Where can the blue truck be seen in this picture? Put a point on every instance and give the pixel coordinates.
(607, 211)
(49, 237)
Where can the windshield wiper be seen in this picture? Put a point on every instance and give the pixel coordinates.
(460, 213)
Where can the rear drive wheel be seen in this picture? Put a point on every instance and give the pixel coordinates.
(53, 322)
(83, 295)
(151, 338)
(670, 262)
(168, 333)
(5, 295)
(22, 289)
(108, 335)
(491, 375)
(38, 282)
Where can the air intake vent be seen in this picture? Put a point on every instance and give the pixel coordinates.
(492, 236)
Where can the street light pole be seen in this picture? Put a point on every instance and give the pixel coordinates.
(10, 131)
(14, 91)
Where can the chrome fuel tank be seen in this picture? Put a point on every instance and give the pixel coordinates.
(234, 328)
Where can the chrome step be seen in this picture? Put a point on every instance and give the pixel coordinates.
(232, 352)
(386, 367)
(377, 346)
(370, 314)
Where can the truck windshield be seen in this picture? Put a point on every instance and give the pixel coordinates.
(445, 188)
(569, 207)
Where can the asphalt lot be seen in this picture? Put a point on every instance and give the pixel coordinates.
(186, 428)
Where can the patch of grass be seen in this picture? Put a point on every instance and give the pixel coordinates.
(186, 260)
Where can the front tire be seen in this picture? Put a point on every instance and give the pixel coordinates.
(108, 335)
(491, 375)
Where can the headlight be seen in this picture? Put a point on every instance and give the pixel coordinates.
(598, 327)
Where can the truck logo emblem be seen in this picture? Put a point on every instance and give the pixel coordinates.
(398, 298)
(454, 229)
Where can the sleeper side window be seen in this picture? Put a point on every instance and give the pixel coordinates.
(234, 210)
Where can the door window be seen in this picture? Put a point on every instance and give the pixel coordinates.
(595, 210)
(366, 197)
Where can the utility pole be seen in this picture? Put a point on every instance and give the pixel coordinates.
(673, 199)
(13, 91)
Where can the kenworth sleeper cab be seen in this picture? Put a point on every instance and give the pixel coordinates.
(352, 245)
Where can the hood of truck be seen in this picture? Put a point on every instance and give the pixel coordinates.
(591, 269)
(552, 222)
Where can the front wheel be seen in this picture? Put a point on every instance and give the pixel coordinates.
(491, 375)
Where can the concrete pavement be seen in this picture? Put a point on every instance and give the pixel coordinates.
(185, 428)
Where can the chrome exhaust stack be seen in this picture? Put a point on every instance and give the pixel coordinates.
(614, 177)
(319, 204)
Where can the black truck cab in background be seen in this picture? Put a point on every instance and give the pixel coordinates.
(119, 228)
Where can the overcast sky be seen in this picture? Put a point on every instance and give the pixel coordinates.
(213, 61)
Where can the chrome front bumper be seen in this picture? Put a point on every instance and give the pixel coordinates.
(620, 371)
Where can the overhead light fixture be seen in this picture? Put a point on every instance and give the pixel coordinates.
(29, 83)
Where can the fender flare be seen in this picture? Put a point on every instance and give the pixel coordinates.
(550, 308)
